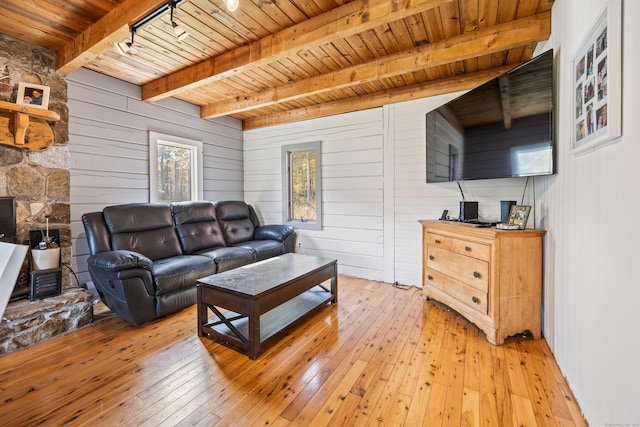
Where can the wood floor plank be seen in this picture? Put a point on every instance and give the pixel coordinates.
(523, 413)
(430, 345)
(380, 356)
(487, 384)
(542, 392)
(334, 401)
(470, 408)
(503, 392)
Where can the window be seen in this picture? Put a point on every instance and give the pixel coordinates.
(175, 168)
(301, 189)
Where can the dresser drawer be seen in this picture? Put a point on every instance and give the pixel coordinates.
(470, 271)
(476, 250)
(465, 294)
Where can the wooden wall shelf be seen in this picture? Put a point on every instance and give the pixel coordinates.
(24, 132)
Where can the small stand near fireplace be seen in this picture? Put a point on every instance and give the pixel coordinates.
(44, 282)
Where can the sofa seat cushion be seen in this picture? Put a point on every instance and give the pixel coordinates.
(263, 249)
(228, 258)
(182, 271)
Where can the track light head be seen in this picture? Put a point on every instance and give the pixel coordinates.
(180, 32)
(232, 5)
(124, 47)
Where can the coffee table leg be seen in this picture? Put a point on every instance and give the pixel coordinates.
(334, 288)
(202, 312)
(254, 331)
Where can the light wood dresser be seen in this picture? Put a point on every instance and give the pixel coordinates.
(492, 277)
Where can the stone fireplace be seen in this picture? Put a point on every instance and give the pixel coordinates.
(38, 180)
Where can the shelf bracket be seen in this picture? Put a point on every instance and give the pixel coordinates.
(20, 125)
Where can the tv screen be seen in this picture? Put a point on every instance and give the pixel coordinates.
(502, 129)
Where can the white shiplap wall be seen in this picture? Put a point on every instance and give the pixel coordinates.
(109, 147)
(352, 181)
(374, 190)
(591, 281)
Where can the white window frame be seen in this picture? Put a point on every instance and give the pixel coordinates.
(197, 175)
(286, 152)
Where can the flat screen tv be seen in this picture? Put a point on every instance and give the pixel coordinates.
(502, 129)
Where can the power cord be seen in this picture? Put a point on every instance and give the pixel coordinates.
(403, 287)
(73, 272)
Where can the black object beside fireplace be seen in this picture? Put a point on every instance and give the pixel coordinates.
(8, 219)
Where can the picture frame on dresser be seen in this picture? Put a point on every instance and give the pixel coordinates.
(519, 215)
(596, 69)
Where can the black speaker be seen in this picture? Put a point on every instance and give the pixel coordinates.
(8, 219)
(45, 283)
(505, 210)
(468, 211)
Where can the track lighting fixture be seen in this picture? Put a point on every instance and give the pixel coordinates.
(180, 32)
(232, 5)
(124, 47)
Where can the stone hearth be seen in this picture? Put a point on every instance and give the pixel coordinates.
(26, 323)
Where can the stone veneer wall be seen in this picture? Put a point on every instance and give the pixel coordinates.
(40, 181)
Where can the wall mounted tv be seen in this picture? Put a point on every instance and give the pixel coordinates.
(502, 129)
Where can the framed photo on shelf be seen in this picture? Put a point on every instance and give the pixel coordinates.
(597, 88)
(33, 95)
(519, 215)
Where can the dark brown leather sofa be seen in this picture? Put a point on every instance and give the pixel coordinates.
(146, 258)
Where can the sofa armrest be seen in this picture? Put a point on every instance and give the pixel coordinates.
(114, 261)
(125, 284)
(277, 232)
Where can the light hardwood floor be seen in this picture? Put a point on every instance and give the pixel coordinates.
(381, 356)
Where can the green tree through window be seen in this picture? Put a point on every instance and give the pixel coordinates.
(175, 168)
(301, 185)
(174, 173)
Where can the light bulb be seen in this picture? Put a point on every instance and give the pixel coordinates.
(180, 32)
(122, 47)
(232, 5)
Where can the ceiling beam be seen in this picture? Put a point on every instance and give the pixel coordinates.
(112, 28)
(378, 99)
(344, 21)
(469, 45)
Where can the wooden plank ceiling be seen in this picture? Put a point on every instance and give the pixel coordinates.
(278, 61)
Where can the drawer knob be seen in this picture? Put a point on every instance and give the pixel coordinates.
(476, 274)
(467, 248)
(431, 257)
(429, 277)
(437, 241)
(475, 300)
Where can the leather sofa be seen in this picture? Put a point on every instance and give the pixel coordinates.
(146, 258)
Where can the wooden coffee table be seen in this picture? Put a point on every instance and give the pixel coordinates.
(254, 305)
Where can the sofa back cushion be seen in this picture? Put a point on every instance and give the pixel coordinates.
(98, 237)
(235, 221)
(197, 226)
(146, 228)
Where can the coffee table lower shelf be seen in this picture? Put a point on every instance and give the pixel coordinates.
(272, 325)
